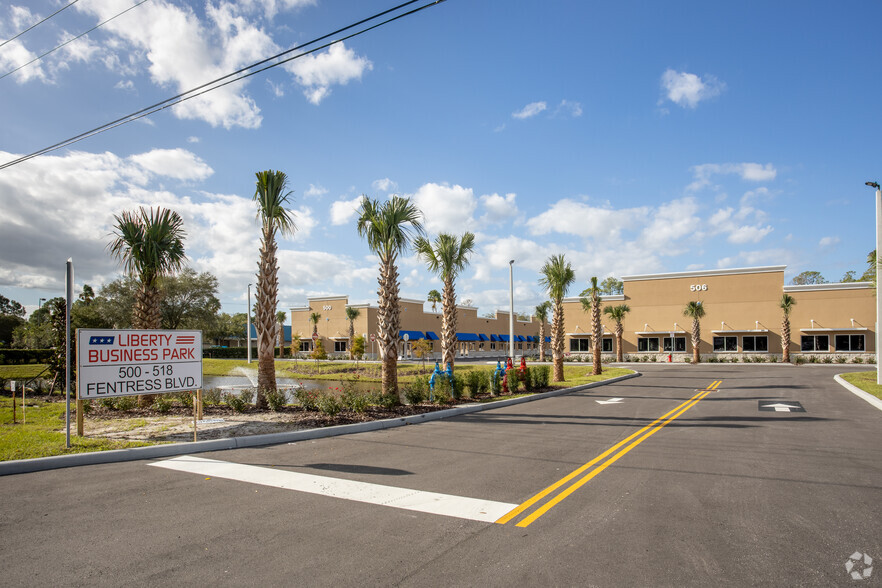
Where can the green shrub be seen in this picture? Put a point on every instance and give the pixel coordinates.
(495, 383)
(185, 398)
(329, 404)
(384, 400)
(275, 399)
(528, 380)
(773, 359)
(814, 359)
(860, 360)
(126, 403)
(841, 359)
(3, 384)
(308, 399)
(799, 360)
(473, 382)
(443, 393)
(87, 406)
(212, 397)
(413, 394)
(354, 400)
(162, 404)
(106, 403)
(236, 401)
(828, 359)
(513, 381)
(542, 374)
(457, 388)
(871, 359)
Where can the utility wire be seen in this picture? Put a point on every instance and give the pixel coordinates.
(214, 84)
(39, 23)
(71, 40)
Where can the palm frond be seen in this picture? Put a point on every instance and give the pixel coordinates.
(271, 201)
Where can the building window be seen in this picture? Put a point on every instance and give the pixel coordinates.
(647, 344)
(520, 345)
(679, 344)
(578, 345)
(725, 344)
(849, 342)
(339, 346)
(306, 345)
(758, 343)
(815, 343)
(493, 345)
(606, 345)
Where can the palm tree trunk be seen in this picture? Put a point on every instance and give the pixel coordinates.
(696, 341)
(557, 341)
(542, 341)
(146, 315)
(596, 334)
(785, 339)
(281, 340)
(619, 331)
(448, 324)
(351, 339)
(267, 297)
(388, 322)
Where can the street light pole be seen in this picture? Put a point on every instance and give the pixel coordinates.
(878, 247)
(249, 323)
(511, 310)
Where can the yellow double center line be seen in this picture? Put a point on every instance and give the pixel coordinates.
(629, 443)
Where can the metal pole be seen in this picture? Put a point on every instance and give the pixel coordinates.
(511, 310)
(878, 297)
(69, 288)
(249, 323)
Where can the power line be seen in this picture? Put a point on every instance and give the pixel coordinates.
(39, 23)
(72, 40)
(215, 84)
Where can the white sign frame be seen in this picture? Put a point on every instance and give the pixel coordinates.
(131, 362)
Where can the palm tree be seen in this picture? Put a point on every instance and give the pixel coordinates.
(150, 246)
(557, 277)
(271, 199)
(387, 227)
(280, 318)
(787, 303)
(695, 310)
(592, 306)
(617, 313)
(351, 315)
(447, 258)
(434, 297)
(314, 318)
(542, 316)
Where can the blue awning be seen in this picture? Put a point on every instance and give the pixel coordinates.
(431, 336)
(466, 337)
(530, 338)
(520, 338)
(483, 337)
(503, 338)
(548, 339)
(413, 335)
(495, 338)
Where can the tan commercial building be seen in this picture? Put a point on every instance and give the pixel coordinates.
(742, 318)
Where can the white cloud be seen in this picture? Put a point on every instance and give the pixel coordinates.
(318, 72)
(125, 85)
(173, 163)
(728, 220)
(13, 55)
(568, 108)
(193, 139)
(584, 220)
(499, 208)
(342, 211)
(446, 208)
(749, 172)
(531, 109)
(316, 190)
(687, 90)
(277, 89)
(384, 185)
(757, 258)
(828, 241)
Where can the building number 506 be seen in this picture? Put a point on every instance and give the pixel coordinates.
(698, 287)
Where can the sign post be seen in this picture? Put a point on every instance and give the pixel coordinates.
(125, 362)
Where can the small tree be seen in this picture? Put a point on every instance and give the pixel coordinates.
(695, 310)
(319, 351)
(351, 315)
(434, 297)
(358, 348)
(295, 347)
(422, 349)
(280, 318)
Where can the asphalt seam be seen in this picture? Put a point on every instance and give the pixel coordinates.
(23, 466)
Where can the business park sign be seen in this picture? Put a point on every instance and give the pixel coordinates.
(125, 362)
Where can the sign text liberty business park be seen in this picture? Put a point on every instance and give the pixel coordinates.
(121, 362)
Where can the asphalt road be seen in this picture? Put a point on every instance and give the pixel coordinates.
(715, 492)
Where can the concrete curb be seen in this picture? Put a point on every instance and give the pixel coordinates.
(23, 466)
(858, 392)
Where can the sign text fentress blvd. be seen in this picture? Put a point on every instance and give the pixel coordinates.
(125, 362)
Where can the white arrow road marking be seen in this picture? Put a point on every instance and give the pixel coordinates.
(610, 401)
(441, 504)
(779, 407)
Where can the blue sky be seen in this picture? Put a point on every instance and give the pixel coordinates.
(634, 137)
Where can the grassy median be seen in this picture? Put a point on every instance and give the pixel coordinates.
(866, 381)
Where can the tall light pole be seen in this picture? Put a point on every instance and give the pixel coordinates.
(249, 323)
(511, 310)
(878, 298)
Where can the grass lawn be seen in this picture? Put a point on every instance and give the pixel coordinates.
(43, 433)
(22, 372)
(866, 381)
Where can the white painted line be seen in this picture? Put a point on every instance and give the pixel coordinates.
(430, 502)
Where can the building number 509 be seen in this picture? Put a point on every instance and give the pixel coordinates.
(698, 287)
